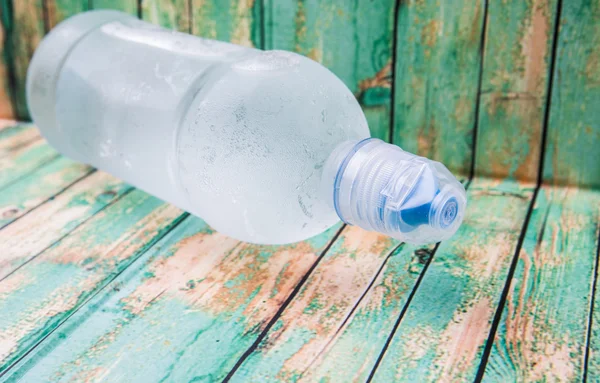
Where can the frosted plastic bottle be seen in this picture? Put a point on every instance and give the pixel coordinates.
(266, 146)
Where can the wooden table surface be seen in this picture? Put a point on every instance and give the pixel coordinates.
(102, 282)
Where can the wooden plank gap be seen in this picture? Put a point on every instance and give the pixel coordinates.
(51, 197)
(57, 240)
(405, 308)
(355, 306)
(401, 316)
(282, 308)
(147, 247)
(479, 84)
(586, 357)
(511, 272)
(553, 59)
(393, 72)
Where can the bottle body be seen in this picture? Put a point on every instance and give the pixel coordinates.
(234, 135)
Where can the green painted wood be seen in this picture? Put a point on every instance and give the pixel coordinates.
(26, 32)
(353, 39)
(228, 20)
(437, 79)
(543, 331)
(573, 153)
(22, 160)
(174, 14)
(14, 137)
(29, 236)
(28, 193)
(514, 89)
(184, 311)
(58, 10)
(337, 325)
(6, 91)
(38, 297)
(129, 6)
(6, 123)
(443, 332)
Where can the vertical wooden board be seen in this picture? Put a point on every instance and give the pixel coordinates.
(353, 39)
(542, 334)
(38, 297)
(185, 311)
(236, 21)
(444, 330)
(573, 153)
(174, 14)
(437, 79)
(128, 6)
(6, 91)
(26, 32)
(514, 88)
(58, 10)
(26, 194)
(23, 160)
(29, 236)
(337, 325)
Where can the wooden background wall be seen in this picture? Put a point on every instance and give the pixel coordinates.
(501, 89)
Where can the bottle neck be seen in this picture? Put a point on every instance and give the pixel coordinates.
(380, 187)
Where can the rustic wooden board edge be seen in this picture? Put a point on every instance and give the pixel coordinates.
(546, 318)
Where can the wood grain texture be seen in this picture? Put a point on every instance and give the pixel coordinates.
(197, 299)
(363, 280)
(443, 332)
(23, 159)
(353, 39)
(437, 79)
(38, 297)
(6, 92)
(29, 236)
(128, 6)
(174, 14)
(236, 21)
(58, 10)
(14, 137)
(543, 331)
(26, 32)
(514, 88)
(42, 184)
(573, 153)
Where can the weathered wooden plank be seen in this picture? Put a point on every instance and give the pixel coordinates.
(58, 10)
(23, 159)
(514, 89)
(7, 123)
(173, 14)
(443, 332)
(353, 39)
(22, 196)
(237, 21)
(436, 82)
(29, 236)
(197, 299)
(38, 297)
(6, 91)
(358, 288)
(543, 330)
(573, 153)
(14, 137)
(129, 6)
(26, 32)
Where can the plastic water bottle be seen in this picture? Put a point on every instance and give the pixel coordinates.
(266, 146)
